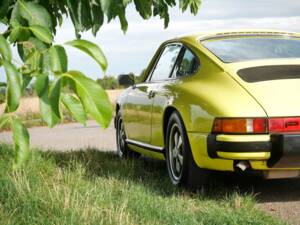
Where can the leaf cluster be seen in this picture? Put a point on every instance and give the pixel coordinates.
(31, 26)
(45, 66)
(91, 14)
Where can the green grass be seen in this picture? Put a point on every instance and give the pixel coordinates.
(93, 187)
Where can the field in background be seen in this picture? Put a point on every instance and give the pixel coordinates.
(29, 112)
(31, 104)
(93, 187)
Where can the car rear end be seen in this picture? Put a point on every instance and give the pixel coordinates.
(268, 68)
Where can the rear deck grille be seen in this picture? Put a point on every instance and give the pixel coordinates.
(266, 73)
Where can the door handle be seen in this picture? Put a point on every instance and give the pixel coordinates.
(151, 94)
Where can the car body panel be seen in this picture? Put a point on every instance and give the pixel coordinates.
(147, 153)
(136, 114)
(198, 143)
(277, 97)
(244, 155)
(215, 90)
(243, 137)
(201, 103)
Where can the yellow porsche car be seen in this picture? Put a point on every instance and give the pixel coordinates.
(227, 101)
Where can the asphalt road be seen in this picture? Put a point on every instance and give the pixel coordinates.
(278, 197)
(72, 136)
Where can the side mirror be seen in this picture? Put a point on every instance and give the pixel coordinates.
(126, 80)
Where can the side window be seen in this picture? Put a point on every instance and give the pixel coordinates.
(188, 65)
(166, 62)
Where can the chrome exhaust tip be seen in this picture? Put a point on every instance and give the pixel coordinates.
(242, 166)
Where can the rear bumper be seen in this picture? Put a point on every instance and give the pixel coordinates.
(278, 150)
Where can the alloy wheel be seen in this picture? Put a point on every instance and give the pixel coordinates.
(121, 137)
(175, 152)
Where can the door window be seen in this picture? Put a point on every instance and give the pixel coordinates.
(166, 62)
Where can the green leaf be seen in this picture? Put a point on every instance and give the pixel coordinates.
(47, 113)
(46, 62)
(58, 59)
(21, 142)
(114, 9)
(30, 53)
(4, 120)
(14, 86)
(15, 18)
(37, 44)
(81, 14)
(92, 50)
(42, 33)
(123, 21)
(161, 8)
(4, 7)
(96, 17)
(27, 47)
(75, 107)
(41, 84)
(17, 31)
(194, 5)
(26, 80)
(35, 14)
(5, 50)
(93, 97)
(33, 63)
(55, 96)
(144, 7)
(14, 34)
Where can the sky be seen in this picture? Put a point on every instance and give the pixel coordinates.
(132, 51)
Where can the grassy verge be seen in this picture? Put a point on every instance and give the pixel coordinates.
(93, 187)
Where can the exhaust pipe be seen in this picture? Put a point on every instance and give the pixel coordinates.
(242, 166)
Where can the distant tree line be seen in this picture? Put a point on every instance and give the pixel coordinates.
(111, 82)
(107, 82)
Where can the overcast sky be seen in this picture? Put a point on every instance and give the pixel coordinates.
(132, 51)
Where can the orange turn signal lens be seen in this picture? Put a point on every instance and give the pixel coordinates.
(240, 125)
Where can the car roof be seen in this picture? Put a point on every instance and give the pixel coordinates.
(201, 36)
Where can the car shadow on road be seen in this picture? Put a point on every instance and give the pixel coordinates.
(152, 174)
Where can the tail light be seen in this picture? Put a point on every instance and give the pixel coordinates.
(256, 125)
(240, 126)
(291, 124)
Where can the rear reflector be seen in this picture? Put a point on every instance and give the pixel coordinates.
(284, 124)
(256, 125)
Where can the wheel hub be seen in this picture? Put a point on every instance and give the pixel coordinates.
(175, 152)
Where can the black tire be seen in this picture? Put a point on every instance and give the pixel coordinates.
(182, 168)
(122, 147)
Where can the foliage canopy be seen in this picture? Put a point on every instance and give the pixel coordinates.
(31, 26)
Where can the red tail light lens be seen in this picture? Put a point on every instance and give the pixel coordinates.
(256, 125)
(240, 125)
(291, 124)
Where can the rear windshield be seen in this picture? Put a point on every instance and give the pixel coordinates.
(235, 49)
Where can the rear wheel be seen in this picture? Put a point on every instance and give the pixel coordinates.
(122, 147)
(182, 168)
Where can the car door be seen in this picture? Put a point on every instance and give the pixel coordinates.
(165, 91)
(138, 115)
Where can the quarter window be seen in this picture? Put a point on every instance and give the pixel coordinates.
(166, 62)
(188, 65)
